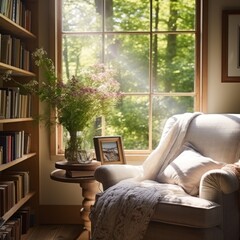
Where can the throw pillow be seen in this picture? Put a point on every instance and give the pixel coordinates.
(187, 169)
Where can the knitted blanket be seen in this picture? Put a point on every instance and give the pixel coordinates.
(124, 210)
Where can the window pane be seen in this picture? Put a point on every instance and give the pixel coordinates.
(173, 15)
(82, 16)
(130, 119)
(173, 62)
(153, 55)
(129, 55)
(127, 15)
(79, 51)
(163, 108)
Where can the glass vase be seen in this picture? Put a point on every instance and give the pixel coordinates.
(74, 151)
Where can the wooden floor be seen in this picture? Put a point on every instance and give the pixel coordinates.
(53, 232)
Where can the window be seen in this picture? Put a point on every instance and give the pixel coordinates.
(154, 45)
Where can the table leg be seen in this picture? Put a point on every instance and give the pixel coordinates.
(89, 191)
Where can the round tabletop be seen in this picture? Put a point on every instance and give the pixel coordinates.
(77, 166)
(64, 167)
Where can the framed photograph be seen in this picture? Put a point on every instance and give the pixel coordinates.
(109, 150)
(231, 46)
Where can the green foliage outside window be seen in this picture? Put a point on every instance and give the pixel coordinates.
(154, 56)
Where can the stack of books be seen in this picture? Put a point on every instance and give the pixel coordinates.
(17, 225)
(11, 230)
(79, 174)
(13, 104)
(13, 145)
(13, 52)
(14, 185)
(16, 11)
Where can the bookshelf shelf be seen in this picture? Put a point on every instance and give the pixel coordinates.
(16, 207)
(15, 162)
(12, 28)
(15, 120)
(16, 71)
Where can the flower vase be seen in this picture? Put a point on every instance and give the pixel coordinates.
(74, 152)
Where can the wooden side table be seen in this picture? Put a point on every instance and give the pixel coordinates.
(84, 175)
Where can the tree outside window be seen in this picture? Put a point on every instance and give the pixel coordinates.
(152, 46)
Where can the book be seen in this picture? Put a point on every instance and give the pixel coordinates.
(15, 52)
(25, 180)
(8, 230)
(76, 174)
(11, 192)
(9, 102)
(0, 41)
(18, 12)
(27, 143)
(7, 186)
(15, 147)
(14, 10)
(24, 213)
(14, 108)
(3, 100)
(4, 7)
(3, 202)
(4, 145)
(1, 155)
(5, 47)
(18, 224)
(14, 224)
(4, 236)
(17, 179)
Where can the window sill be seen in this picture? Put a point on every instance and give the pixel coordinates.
(131, 158)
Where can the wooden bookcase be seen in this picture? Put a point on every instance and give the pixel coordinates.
(29, 162)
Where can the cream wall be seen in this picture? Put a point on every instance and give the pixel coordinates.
(51, 192)
(222, 97)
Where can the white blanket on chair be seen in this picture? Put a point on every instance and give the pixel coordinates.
(168, 148)
(123, 211)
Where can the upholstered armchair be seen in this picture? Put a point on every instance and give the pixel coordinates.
(194, 176)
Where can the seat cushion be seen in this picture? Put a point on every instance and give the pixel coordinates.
(179, 208)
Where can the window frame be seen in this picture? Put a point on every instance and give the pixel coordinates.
(200, 93)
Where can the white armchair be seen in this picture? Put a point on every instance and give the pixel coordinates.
(202, 197)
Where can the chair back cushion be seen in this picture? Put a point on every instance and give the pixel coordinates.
(216, 136)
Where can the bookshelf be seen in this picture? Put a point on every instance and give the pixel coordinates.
(16, 71)
(21, 23)
(15, 208)
(15, 28)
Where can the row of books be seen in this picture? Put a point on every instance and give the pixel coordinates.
(13, 104)
(14, 185)
(13, 145)
(13, 52)
(11, 230)
(16, 11)
(16, 226)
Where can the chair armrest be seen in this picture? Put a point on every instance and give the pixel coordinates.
(216, 182)
(109, 175)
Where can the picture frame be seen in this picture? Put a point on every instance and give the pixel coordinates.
(231, 46)
(109, 150)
